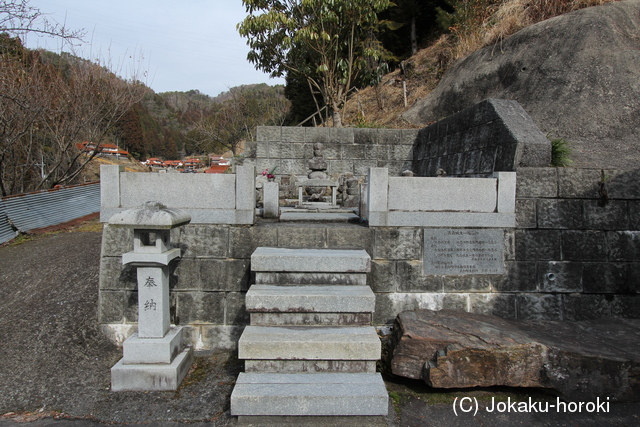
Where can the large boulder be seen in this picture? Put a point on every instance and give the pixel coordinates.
(581, 360)
(577, 75)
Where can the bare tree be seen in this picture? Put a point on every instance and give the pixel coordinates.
(49, 104)
(17, 17)
(235, 119)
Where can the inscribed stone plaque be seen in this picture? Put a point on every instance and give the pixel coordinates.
(457, 251)
(153, 302)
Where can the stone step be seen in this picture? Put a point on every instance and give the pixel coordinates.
(319, 216)
(349, 394)
(282, 278)
(310, 260)
(310, 299)
(309, 366)
(310, 319)
(309, 343)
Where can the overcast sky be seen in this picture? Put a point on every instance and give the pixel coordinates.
(182, 45)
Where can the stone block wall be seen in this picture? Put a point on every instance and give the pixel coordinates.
(577, 239)
(574, 252)
(568, 258)
(495, 135)
(346, 150)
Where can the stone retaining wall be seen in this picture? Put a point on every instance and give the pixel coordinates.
(579, 240)
(495, 135)
(568, 258)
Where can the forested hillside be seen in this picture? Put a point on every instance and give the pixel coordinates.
(171, 125)
(52, 102)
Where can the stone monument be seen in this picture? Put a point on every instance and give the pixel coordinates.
(154, 358)
(316, 185)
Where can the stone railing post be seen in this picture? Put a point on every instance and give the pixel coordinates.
(378, 196)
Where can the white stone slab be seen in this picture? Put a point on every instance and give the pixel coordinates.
(138, 350)
(309, 394)
(310, 343)
(182, 191)
(319, 216)
(318, 299)
(310, 260)
(151, 377)
(506, 191)
(443, 194)
(245, 194)
(109, 189)
(377, 189)
(241, 216)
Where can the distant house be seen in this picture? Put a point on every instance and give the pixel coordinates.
(218, 164)
(192, 163)
(154, 162)
(187, 164)
(173, 164)
(102, 149)
(218, 160)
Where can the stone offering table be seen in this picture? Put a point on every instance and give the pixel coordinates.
(154, 358)
(317, 183)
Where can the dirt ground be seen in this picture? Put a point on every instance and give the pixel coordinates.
(55, 364)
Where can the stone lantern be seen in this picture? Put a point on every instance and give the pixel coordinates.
(154, 358)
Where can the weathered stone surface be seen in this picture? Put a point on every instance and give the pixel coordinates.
(537, 245)
(309, 366)
(581, 360)
(310, 299)
(311, 319)
(560, 213)
(310, 260)
(537, 182)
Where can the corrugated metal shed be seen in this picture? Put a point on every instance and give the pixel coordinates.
(6, 231)
(51, 207)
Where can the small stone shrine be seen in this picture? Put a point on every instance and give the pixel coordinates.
(316, 185)
(154, 358)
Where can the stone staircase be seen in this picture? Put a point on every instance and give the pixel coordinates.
(310, 349)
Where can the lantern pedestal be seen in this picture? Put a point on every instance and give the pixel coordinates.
(154, 358)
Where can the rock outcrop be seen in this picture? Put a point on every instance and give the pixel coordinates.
(581, 360)
(577, 75)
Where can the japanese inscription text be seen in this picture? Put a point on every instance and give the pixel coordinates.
(458, 251)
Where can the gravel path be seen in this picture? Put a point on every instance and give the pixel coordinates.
(55, 360)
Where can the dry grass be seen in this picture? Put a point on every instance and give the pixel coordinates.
(486, 22)
(513, 15)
